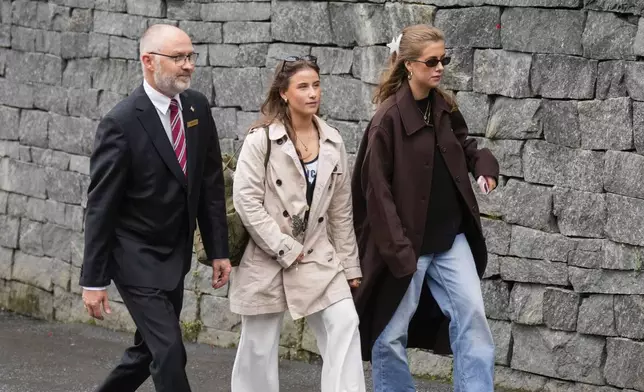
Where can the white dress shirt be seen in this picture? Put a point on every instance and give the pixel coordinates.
(162, 104)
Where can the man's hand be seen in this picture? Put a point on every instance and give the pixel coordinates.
(355, 283)
(93, 299)
(220, 272)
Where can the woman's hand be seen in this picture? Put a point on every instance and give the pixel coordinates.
(355, 283)
(486, 184)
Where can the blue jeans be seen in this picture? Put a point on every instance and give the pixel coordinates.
(455, 285)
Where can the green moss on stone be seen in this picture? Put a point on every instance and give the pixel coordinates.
(191, 330)
(28, 304)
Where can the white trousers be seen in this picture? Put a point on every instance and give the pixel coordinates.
(336, 332)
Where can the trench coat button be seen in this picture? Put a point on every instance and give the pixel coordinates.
(473, 208)
(281, 253)
(443, 149)
(321, 219)
(285, 213)
(280, 141)
(310, 251)
(279, 182)
(457, 179)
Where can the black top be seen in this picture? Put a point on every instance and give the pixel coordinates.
(444, 212)
(310, 172)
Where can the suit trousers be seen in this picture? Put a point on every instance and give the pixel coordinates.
(158, 348)
(336, 332)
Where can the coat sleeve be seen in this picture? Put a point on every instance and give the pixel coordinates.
(480, 162)
(386, 227)
(249, 189)
(340, 215)
(211, 210)
(109, 167)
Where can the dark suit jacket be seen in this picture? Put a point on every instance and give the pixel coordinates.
(141, 208)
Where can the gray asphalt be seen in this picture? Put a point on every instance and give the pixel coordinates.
(39, 356)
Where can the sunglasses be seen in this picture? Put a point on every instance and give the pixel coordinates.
(291, 59)
(434, 61)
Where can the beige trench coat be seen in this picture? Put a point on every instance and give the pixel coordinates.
(272, 205)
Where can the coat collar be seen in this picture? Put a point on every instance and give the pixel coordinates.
(278, 131)
(411, 117)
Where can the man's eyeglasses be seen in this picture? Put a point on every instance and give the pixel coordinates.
(291, 59)
(180, 59)
(434, 61)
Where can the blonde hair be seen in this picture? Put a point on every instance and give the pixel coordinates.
(414, 40)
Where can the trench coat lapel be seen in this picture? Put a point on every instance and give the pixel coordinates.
(328, 159)
(289, 149)
(327, 165)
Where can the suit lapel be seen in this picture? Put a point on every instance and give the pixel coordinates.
(189, 114)
(149, 119)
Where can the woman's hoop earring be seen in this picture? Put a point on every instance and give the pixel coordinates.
(409, 75)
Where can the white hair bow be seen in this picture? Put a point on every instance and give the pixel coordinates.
(394, 45)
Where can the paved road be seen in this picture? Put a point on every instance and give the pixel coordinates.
(39, 356)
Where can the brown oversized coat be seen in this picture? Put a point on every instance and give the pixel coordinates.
(390, 189)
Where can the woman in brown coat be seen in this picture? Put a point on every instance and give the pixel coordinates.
(419, 233)
(295, 201)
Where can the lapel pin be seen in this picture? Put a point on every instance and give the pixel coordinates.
(192, 108)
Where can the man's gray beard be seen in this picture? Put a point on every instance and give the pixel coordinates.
(169, 85)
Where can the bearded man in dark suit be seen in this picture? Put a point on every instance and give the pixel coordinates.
(155, 171)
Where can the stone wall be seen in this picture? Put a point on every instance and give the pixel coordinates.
(553, 87)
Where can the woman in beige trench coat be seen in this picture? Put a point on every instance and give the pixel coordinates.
(302, 256)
